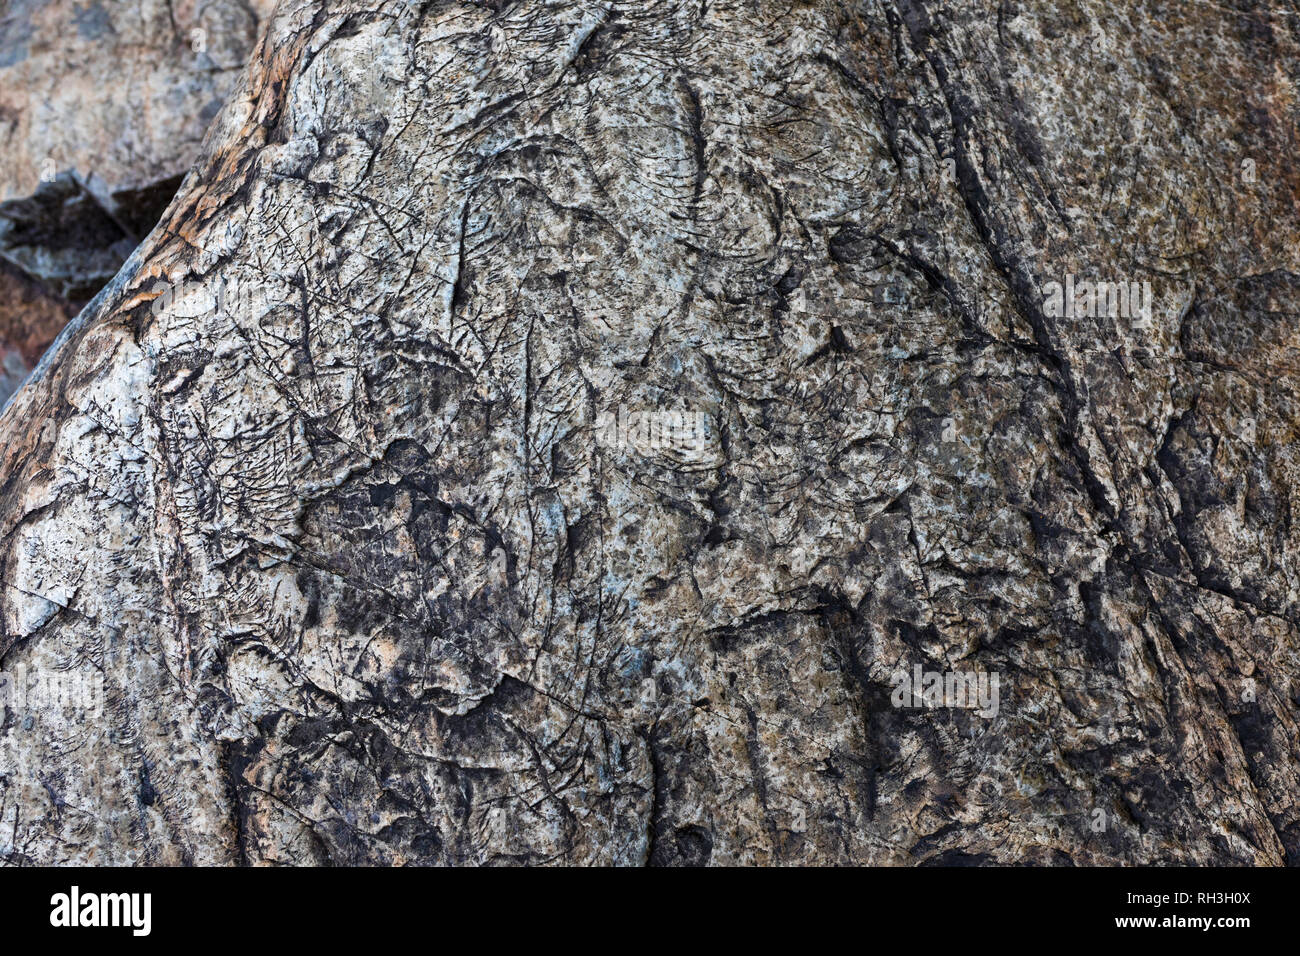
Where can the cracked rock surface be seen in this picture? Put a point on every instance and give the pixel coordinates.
(102, 109)
(541, 433)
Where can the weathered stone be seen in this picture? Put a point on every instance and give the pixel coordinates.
(102, 108)
(121, 92)
(545, 432)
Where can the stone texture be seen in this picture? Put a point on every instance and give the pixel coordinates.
(30, 317)
(323, 487)
(102, 109)
(117, 92)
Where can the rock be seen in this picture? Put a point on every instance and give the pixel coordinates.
(102, 109)
(682, 434)
(120, 93)
(12, 372)
(30, 318)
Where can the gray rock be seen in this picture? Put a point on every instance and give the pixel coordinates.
(102, 109)
(559, 433)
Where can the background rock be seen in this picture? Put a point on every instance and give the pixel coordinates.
(543, 433)
(102, 108)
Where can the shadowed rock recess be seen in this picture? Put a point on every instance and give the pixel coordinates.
(543, 433)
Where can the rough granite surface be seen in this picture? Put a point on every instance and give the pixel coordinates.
(321, 489)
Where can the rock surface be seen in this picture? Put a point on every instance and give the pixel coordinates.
(543, 433)
(102, 109)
